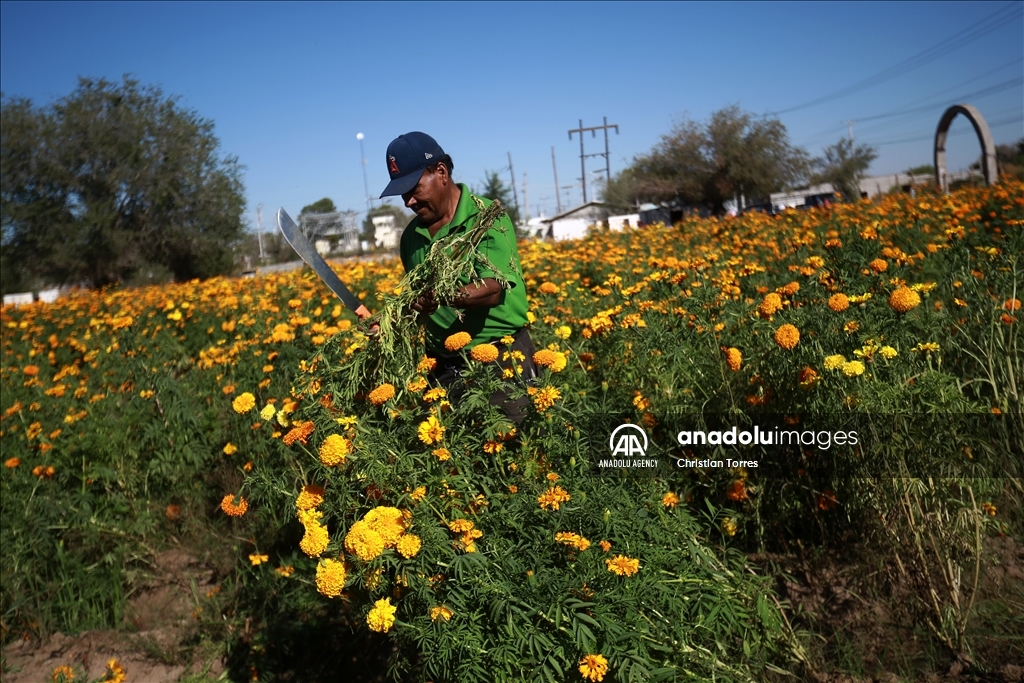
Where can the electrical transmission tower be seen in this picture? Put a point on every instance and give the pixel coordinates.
(583, 157)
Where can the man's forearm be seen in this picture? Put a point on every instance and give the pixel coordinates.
(483, 295)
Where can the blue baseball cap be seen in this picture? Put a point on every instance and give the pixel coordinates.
(407, 157)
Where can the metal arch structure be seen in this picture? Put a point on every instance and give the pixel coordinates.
(988, 148)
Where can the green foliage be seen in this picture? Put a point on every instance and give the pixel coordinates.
(325, 205)
(110, 181)
(494, 188)
(843, 165)
(711, 163)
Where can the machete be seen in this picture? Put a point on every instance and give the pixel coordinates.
(315, 261)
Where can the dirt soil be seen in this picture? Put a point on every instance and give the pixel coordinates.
(158, 620)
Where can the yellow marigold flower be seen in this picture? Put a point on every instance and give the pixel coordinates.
(426, 365)
(853, 368)
(285, 571)
(670, 500)
(623, 566)
(460, 525)
(441, 454)
(838, 302)
(878, 265)
(544, 358)
(233, 509)
(63, 674)
(563, 332)
(363, 542)
(11, 463)
(561, 360)
(243, 403)
(544, 398)
(575, 540)
(430, 430)
(314, 541)
(408, 545)
(904, 299)
(440, 612)
(787, 336)
(268, 412)
(733, 358)
(330, 577)
(605, 546)
(388, 522)
(548, 288)
(334, 450)
(310, 497)
(385, 392)
(457, 341)
(888, 352)
(593, 667)
(553, 497)
(419, 493)
(256, 559)
(927, 346)
(416, 385)
(382, 616)
(729, 526)
(485, 353)
(230, 449)
(771, 305)
(435, 394)
(508, 340)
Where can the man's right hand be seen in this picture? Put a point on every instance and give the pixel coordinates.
(425, 303)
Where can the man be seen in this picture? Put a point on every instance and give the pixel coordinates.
(420, 172)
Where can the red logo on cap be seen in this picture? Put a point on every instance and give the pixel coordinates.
(392, 166)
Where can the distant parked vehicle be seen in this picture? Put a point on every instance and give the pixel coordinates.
(818, 200)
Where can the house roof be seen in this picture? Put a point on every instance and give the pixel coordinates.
(578, 209)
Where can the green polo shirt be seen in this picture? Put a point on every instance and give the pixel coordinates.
(499, 247)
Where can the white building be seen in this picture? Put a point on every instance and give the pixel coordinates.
(385, 233)
(573, 224)
(618, 223)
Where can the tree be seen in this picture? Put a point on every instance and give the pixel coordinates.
(112, 181)
(843, 165)
(732, 154)
(494, 188)
(325, 205)
(402, 219)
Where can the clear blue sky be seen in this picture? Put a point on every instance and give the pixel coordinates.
(289, 86)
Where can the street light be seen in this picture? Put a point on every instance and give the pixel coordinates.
(366, 185)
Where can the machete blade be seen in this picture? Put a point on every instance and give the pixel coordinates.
(315, 261)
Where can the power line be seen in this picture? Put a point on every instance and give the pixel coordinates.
(978, 30)
(964, 131)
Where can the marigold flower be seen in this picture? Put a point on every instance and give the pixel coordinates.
(385, 392)
(230, 449)
(571, 539)
(440, 612)
(808, 377)
(460, 525)
(441, 454)
(334, 450)
(315, 540)
(63, 674)
(789, 289)
(31, 370)
(457, 341)
(605, 546)
(787, 336)
(1011, 305)
(623, 566)
(268, 412)
(419, 493)
(388, 522)
(838, 302)
(771, 305)
(826, 500)
(330, 577)
(426, 365)
(927, 347)
(484, 353)
(548, 288)
(243, 403)
(363, 542)
(310, 497)
(553, 498)
(563, 332)
(888, 352)
(733, 358)
(233, 509)
(853, 368)
(256, 559)
(593, 667)
(416, 385)
(408, 545)
(737, 491)
(670, 500)
(729, 526)
(285, 570)
(904, 299)
(299, 432)
(11, 463)
(878, 265)
(544, 358)
(382, 616)
(431, 430)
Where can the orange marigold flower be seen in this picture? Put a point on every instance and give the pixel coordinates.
(457, 341)
(31, 370)
(838, 302)
(385, 392)
(605, 546)
(1011, 305)
(243, 403)
(904, 299)
(771, 305)
(426, 364)
(826, 500)
(808, 378)
(734, 358)
(789, 289)
(485, 353)
(233, 509)
(545, 358)
(173, 512)
(11, 463)
(334, 450)
(787, 336)
(310, 497)
(553, 498)
(623, 566)
(737, 491)
(548, 288)
(299, 432)
(878, 265)
(670, 500)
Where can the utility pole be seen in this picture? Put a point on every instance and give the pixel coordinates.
(607, 163)
(366, 186)
(259, 228)
(526, 200)
(558, 190)
(515, 196)
(849, 128)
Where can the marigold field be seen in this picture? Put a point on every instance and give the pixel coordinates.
(354, 498)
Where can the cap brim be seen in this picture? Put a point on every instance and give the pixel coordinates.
(402, 185)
